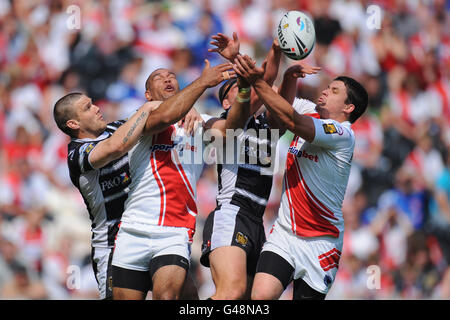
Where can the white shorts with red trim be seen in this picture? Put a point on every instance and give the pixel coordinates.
(137, 244)
(315, 259)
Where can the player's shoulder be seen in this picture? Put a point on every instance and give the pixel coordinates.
(304, 106)
(79, 148)
(333, 127)
(113, 126)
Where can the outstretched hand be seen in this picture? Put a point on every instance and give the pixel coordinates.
(225, 46)
(246, 68)
(191, 121)
(212, 76)
(300, 70)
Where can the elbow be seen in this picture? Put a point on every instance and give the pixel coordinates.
(116, 150)
(157, 122)
(167, 117)
(121, 150)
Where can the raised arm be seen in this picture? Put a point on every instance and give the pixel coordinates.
(240, 110)
(177, 106)
(270, 66)
(238, 113)
(288, 88)
(123, 139)
(279, 108)
(228, 48)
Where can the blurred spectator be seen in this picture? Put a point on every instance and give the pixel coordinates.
(417, 277)
(367, 156)
(407, 198)
(439, 222)
(21, 286)
(125, 91)
(425, 160)
(30, 236)
(24, 188)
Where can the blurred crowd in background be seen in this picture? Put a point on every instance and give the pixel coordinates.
(397, 204)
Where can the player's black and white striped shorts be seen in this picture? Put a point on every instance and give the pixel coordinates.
(229, 225)
(101, 263)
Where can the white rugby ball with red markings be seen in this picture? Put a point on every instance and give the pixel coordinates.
(296, 35)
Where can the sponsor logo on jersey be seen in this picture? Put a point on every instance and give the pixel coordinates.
(89, 148)
(241, 239)
(329, 128)
(115, 182)
(162, 147)
(177, 145)
(124, 177)
(303, 154)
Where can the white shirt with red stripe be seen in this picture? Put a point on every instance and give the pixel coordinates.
(164, 176)
(316, 177)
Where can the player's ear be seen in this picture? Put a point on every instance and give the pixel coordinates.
(73, 124)
(148, 95)
(349, 108)
(226, 104)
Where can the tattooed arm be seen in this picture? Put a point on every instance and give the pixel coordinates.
(123, 139)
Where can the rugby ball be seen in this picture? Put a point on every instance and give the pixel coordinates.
(296, 35)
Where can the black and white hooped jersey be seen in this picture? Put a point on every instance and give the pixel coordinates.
(247, 181)
(104, 190)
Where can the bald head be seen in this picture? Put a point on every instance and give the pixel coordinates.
(65, 110)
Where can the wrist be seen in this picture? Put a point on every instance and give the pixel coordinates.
(243, 98)
(258, 82)
(276, 46)
(243, 94)
(202, 83)
(244, 90)
(289, 78)
(233, 57)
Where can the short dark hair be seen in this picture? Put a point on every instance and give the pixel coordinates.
(356, 95)
(225, 88)
(64, 111)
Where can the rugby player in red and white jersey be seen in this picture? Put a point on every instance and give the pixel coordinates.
(306, 241)
(158, 224)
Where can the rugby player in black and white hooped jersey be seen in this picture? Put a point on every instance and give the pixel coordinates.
(234, 233)
(99, 164)
(98, 167)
